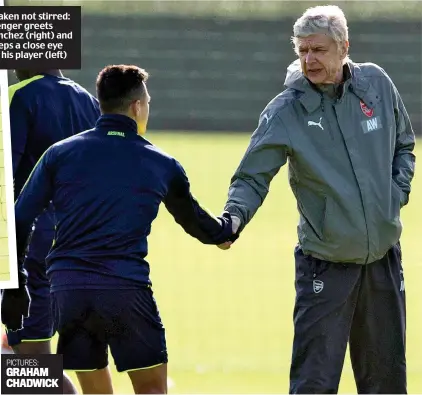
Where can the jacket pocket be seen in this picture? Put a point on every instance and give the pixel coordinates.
(313, 212)
(396, 200)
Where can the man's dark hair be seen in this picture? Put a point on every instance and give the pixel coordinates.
(119, 85)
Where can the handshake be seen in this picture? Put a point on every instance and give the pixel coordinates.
(235, 222)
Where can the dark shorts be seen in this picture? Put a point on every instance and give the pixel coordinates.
(126, 320)
(39, 326)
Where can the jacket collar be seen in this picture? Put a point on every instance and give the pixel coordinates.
(117, 122)
(357, 83)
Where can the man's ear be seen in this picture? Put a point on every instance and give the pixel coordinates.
(345, 49)
(138, 105)
(134, 109)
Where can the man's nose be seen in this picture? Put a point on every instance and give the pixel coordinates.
(309, 58)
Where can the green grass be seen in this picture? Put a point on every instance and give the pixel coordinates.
(228, 314)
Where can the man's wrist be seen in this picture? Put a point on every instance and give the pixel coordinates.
(236, 222)
(235, 212)
(22, 274)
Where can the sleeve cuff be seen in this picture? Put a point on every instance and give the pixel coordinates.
(235, 212)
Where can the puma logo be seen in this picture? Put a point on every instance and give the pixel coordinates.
(319, 124)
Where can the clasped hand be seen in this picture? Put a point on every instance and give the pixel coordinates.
(235, 227)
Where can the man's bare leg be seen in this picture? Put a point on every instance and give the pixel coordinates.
(96, 381)
(149, 380)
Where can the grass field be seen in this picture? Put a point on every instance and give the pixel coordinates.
(228, 314)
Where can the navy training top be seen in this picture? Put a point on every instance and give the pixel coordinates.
(44, 109)
(106, 185)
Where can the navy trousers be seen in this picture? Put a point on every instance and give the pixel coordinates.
(337, 304)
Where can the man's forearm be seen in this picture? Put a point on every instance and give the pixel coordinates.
(22, 274)
(404, 169)
(196, 221)
(242, 204)
(243, 201)
(266, 154)
(23, 236)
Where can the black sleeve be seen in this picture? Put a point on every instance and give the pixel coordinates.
(194, 219)
(33, 199)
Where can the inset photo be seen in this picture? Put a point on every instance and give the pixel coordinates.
(8, 259)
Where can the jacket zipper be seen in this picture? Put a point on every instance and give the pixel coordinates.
(328, 123)
(362, 200)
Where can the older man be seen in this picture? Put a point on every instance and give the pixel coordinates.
(347, 137)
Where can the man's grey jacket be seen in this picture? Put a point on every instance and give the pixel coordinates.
(350, 160)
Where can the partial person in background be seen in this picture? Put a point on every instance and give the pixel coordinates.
(106, 186)
(45, 107)
(4, 250)
(345, 133)
(5, 348)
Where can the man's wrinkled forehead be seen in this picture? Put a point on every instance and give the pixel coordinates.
(315, 40)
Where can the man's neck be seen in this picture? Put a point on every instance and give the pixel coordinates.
(334, 89)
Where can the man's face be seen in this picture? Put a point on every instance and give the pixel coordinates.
(321, 59)
(22, 75)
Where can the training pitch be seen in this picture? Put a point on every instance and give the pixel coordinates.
(228, 314)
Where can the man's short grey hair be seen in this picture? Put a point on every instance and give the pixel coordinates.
(328, 19)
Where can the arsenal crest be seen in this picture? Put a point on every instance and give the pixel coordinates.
(318, 286)
(367, 111)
